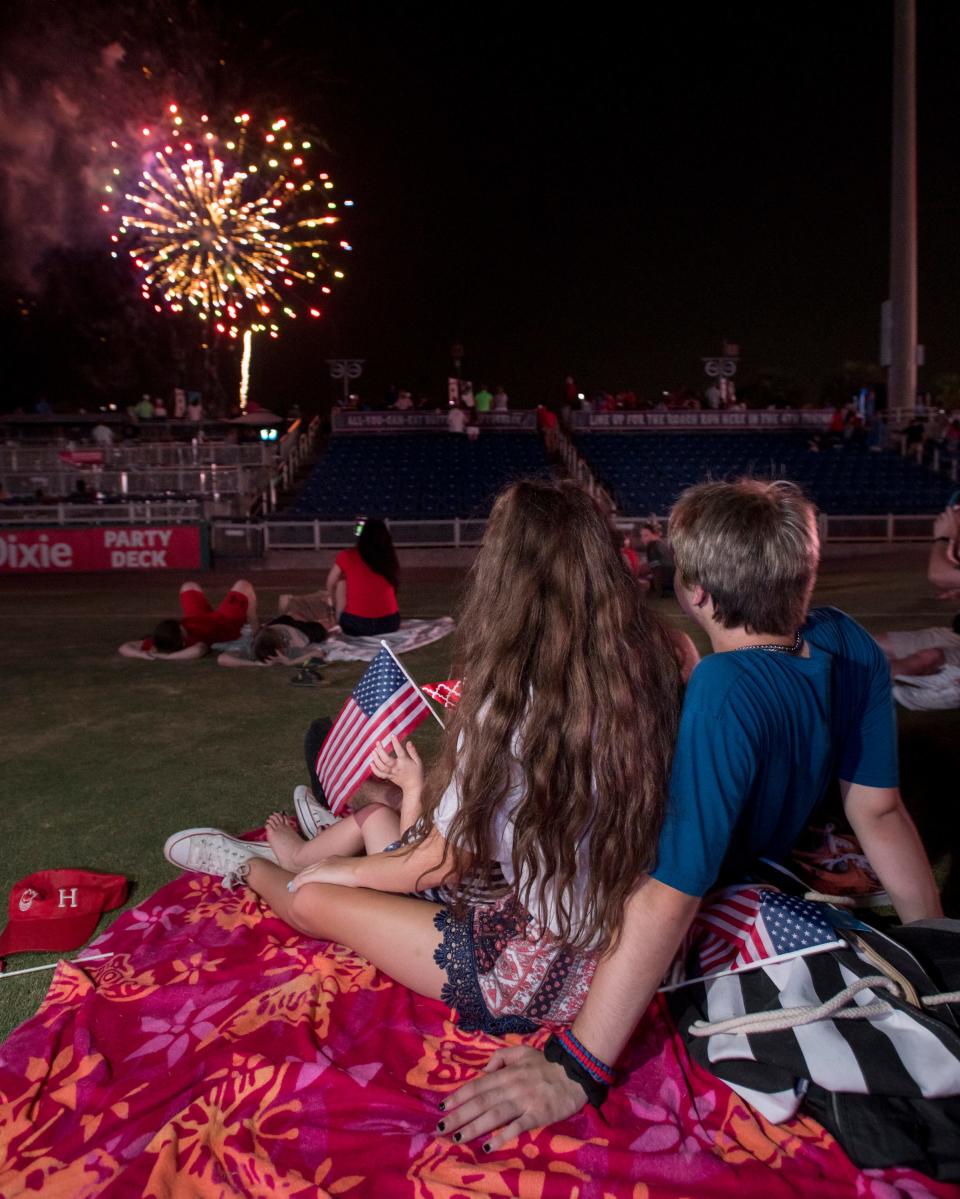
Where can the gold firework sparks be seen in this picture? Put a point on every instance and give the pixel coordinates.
(235, 229)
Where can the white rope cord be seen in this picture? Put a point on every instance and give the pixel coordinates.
(832, 1009)
(943, 997)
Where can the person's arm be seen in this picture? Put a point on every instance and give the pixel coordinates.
(942, 568)
(893, 847)
(399, 871)
(134, 649)
(518, 1088)
(190, 654)
(228, 659)
(333, 578)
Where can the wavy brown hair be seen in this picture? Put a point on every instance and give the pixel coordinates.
(567, 674)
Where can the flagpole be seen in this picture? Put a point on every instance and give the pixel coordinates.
(96, 957)
(413, 684)
(782, 957)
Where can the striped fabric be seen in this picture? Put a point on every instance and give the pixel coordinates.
(383, 704)
(906, 1051)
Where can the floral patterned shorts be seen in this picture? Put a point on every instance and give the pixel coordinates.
(507, 974)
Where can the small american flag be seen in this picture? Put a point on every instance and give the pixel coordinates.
(446, 693)
(384, 703)
(745, 925)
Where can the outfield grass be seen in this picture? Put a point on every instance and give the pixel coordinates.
(102, 758)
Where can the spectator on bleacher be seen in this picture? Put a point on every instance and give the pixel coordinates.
(160, 409)
(143, 410)
(102, 436)
(194, 406)
(501, 401)
(362, 583)
(199, 626)
(403, 402)
(456, 419)
(483, 399)
(473, 425)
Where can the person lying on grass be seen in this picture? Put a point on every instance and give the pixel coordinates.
(199, 625)
(554, 767)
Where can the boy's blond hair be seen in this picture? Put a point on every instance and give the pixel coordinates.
(753, 547)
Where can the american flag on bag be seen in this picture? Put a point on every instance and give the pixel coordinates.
(383, 704)
(446, 693)
(742, 926)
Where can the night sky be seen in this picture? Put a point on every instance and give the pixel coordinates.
(608, 198)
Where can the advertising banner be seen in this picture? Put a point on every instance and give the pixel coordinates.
(126, 547)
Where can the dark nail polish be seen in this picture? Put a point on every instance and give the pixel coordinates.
(486, 1146)
(441, 1126)
(443, 1107)
(456, 1137)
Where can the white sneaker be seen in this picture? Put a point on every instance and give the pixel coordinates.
(311, 816)
(209, 851)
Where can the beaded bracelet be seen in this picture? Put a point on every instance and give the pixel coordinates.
(589, 1072)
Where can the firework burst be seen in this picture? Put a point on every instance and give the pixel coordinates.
(235, 229)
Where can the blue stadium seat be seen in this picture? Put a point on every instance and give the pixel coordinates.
(645, 472)
(417, 476)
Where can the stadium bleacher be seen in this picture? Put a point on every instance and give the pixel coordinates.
(645, 472)
(417, 476)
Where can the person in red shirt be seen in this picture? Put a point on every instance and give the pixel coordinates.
(362, 583)
(200, 624)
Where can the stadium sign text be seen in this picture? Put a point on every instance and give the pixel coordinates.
(60, 550)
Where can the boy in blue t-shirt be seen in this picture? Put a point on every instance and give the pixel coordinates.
(788, 701)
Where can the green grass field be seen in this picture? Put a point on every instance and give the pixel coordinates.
(103, 758)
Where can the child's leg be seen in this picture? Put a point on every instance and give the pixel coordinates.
(341, 840)
(379, 826)
(394, 932)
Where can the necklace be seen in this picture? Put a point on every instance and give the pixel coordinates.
(777, 649)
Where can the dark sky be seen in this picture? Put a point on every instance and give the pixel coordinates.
(610, 198)
(602, 194)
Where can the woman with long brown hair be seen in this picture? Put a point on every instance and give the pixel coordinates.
(544, 808)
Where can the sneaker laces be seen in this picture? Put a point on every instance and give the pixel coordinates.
(237, 877)
(210, 855)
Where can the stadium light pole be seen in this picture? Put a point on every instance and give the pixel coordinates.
(902, 375)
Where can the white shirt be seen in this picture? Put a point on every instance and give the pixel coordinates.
(456, 420)
(502, 849)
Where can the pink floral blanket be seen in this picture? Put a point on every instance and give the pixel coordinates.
(218, 1054)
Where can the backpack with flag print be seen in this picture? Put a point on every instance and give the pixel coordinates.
(851, 1025)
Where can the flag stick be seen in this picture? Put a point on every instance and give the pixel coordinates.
(781, 957)
(95, 957)
(413, 684)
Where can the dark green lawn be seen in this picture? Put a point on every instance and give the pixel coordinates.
(103, 758)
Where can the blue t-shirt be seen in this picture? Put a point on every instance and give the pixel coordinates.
(761, 737)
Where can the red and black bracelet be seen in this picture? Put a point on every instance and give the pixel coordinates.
(580, 1065)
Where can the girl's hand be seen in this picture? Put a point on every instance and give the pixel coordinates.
(328, 870)
(402, 767)
(518, 1089)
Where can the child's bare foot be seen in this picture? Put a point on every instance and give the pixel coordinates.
(284, 842)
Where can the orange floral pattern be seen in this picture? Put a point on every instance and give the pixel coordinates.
(218, 1053)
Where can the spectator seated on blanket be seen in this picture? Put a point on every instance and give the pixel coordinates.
(199, 625)
(556, 634)
(362, 583)
(925, 663)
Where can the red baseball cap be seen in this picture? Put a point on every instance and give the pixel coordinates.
(58, 909)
